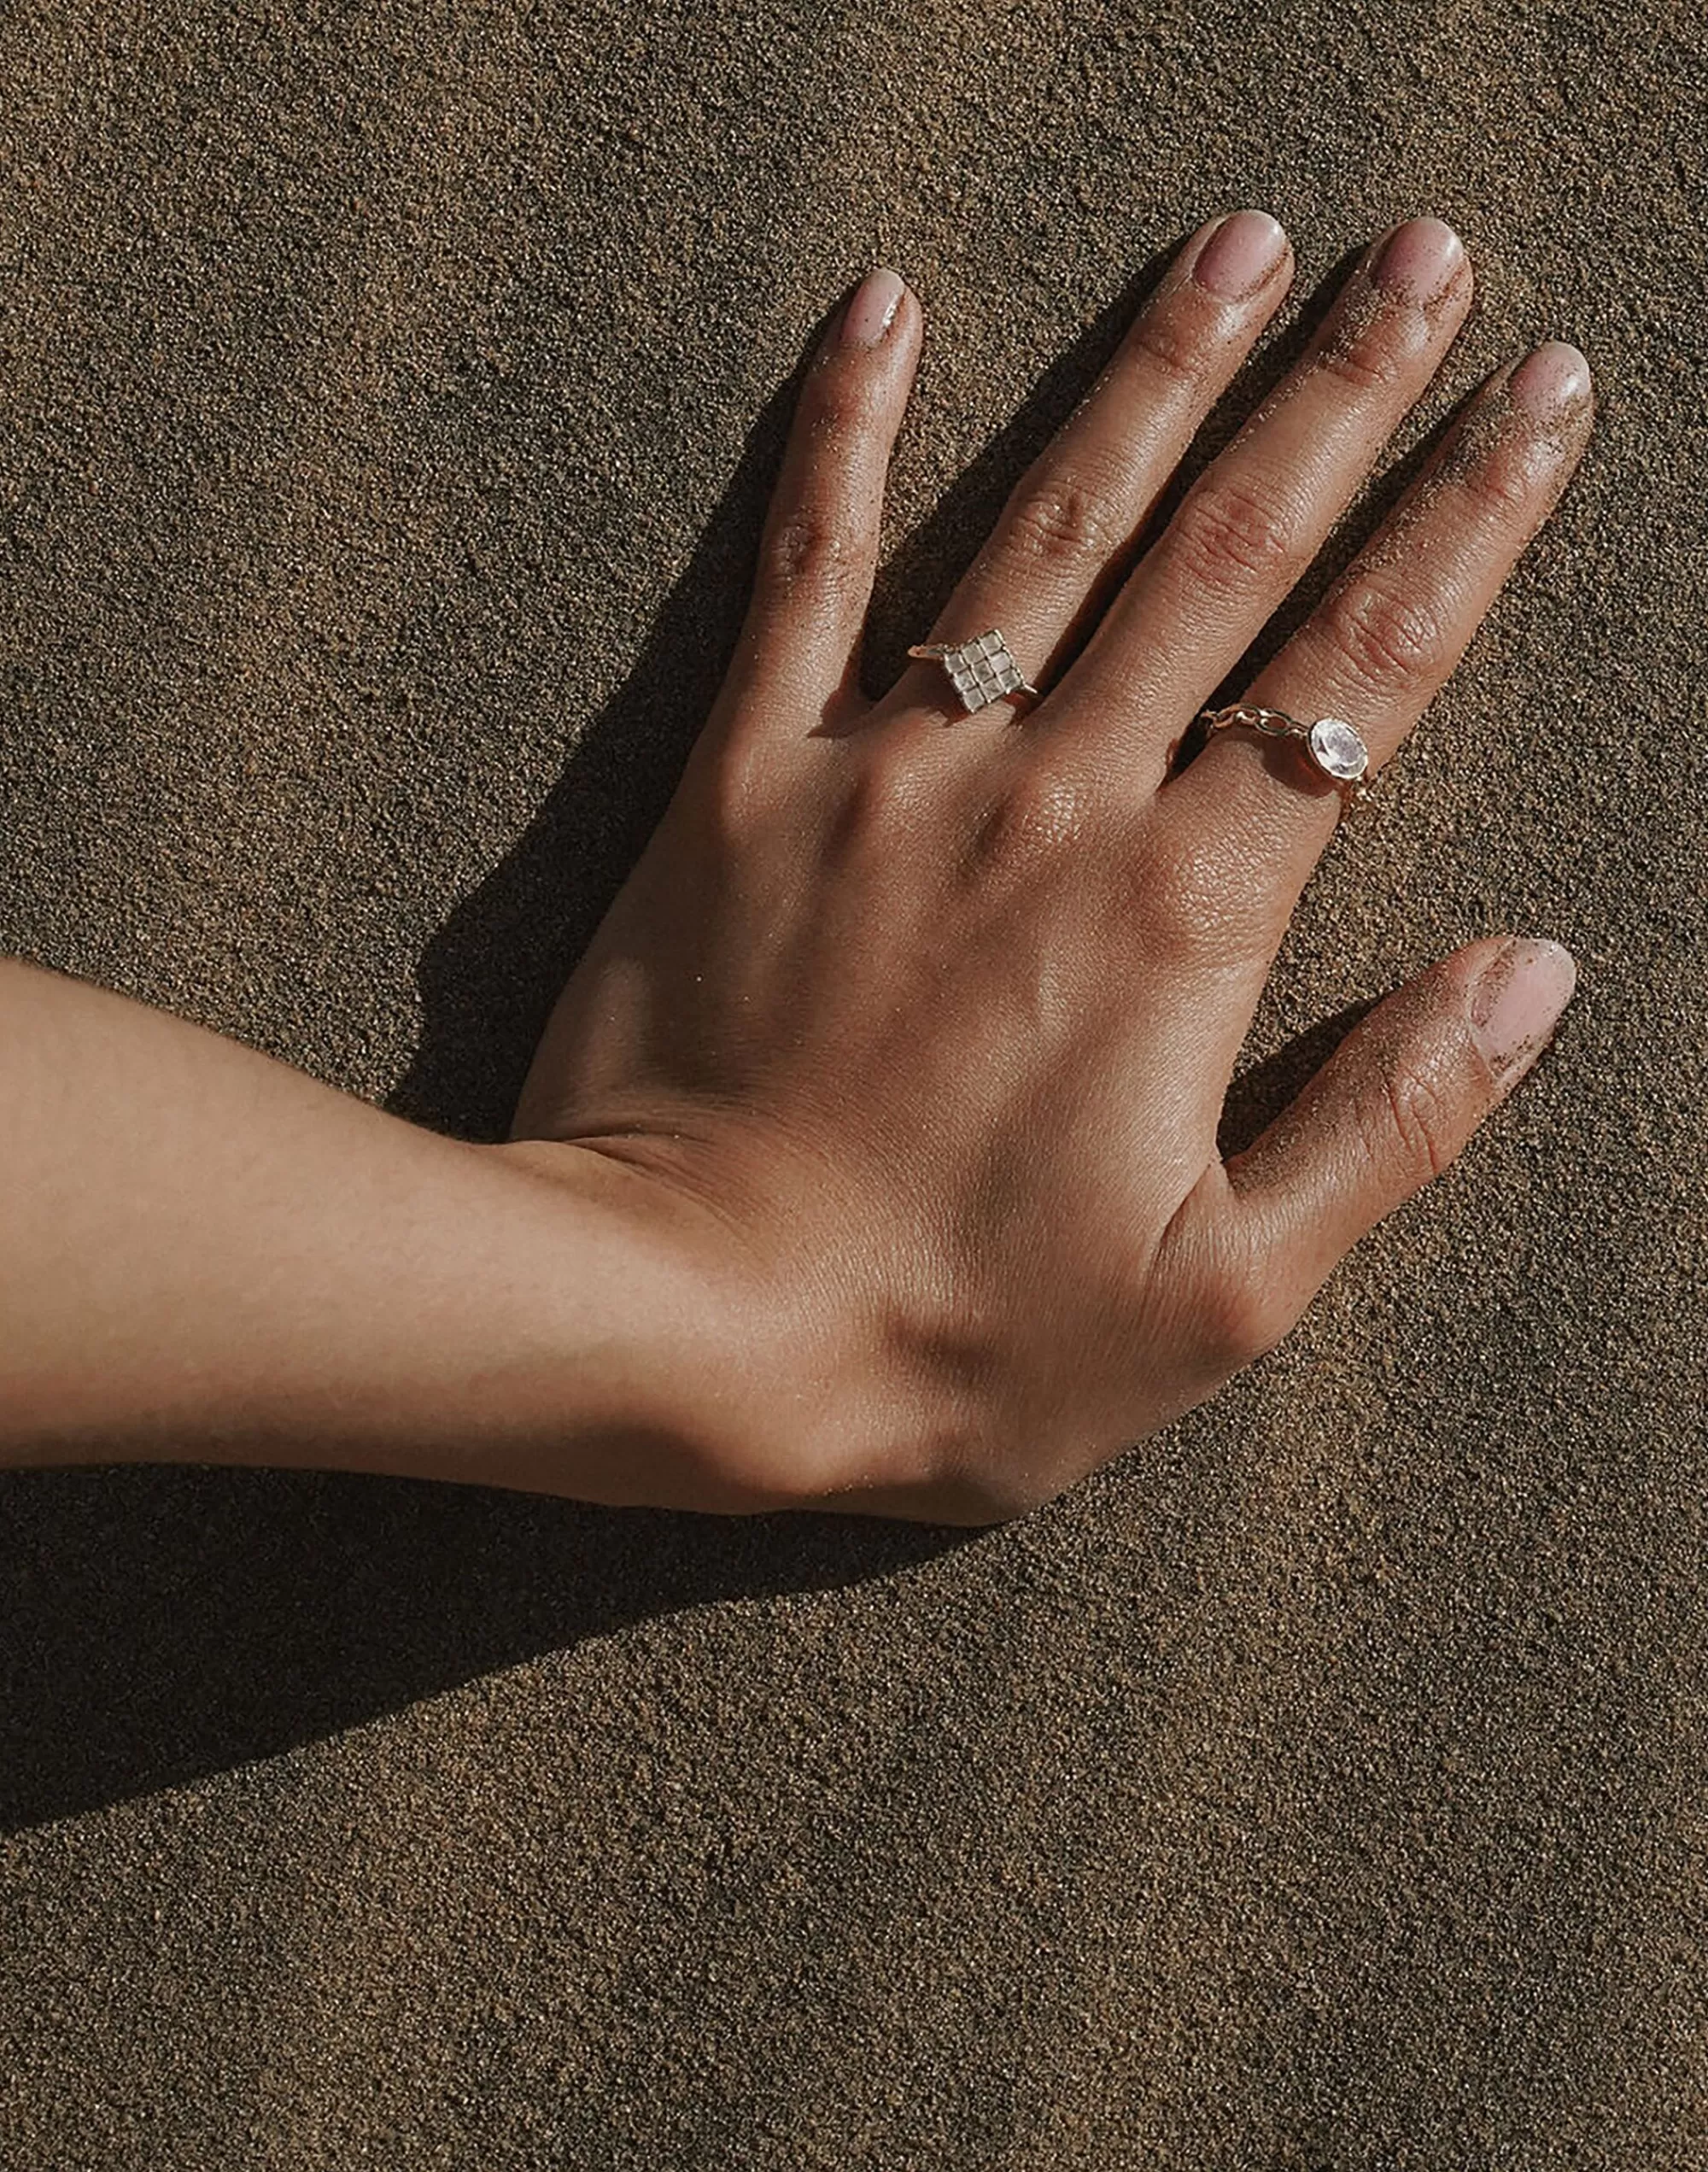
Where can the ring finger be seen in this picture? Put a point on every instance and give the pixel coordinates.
(1381, 644)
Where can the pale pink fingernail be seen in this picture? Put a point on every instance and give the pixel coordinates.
(1551, 376)
(872, 309)
(1421, 259)
(1240, 256)
(1516, 1003)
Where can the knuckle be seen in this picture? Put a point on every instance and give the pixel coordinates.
(1040, 817)
(810, 547)
(1362, 358)
(734, 781)
(1063, 521)
(1242, 1312)
(844, 404)
(1387, 638)
(1235, 532)
(1192, 906)
(1408, 1118)
(1503, 483)
(1168, 350)
(884, 798)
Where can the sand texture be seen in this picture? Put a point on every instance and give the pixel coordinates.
(390, 396)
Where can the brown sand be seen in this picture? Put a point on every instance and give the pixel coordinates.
(390, 397)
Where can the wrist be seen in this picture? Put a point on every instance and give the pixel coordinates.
(743, 1367)
(670, 1382)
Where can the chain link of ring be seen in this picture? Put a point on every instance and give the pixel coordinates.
(1276, 724)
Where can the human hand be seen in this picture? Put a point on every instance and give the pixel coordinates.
(917, 1026)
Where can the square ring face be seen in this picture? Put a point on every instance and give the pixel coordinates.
(983, 670)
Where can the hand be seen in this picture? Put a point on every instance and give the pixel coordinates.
(917, 1025)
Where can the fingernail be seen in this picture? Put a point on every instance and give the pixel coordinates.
(1516, 1003)
(1421, 259)
(1240, 255)
(1551, 376)
(872, 309)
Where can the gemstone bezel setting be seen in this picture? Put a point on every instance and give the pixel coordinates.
(1338, 750)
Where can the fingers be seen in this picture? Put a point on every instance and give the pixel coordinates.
(1390, 1110)
(1073, 518)
(1379, 647)
(1257, 516)
(799, 646)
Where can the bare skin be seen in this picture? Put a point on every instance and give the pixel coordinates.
(868, 1160)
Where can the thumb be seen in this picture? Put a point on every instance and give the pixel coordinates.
(1398, 1100)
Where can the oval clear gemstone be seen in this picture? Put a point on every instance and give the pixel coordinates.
(1337, 748)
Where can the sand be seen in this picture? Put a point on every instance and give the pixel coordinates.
(389, 398)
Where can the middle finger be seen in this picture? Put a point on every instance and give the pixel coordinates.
(1069, 523)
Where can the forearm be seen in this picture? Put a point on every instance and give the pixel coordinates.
(206, 1255)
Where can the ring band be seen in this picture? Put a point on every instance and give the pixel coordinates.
(1335, 748)
(981, 671)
